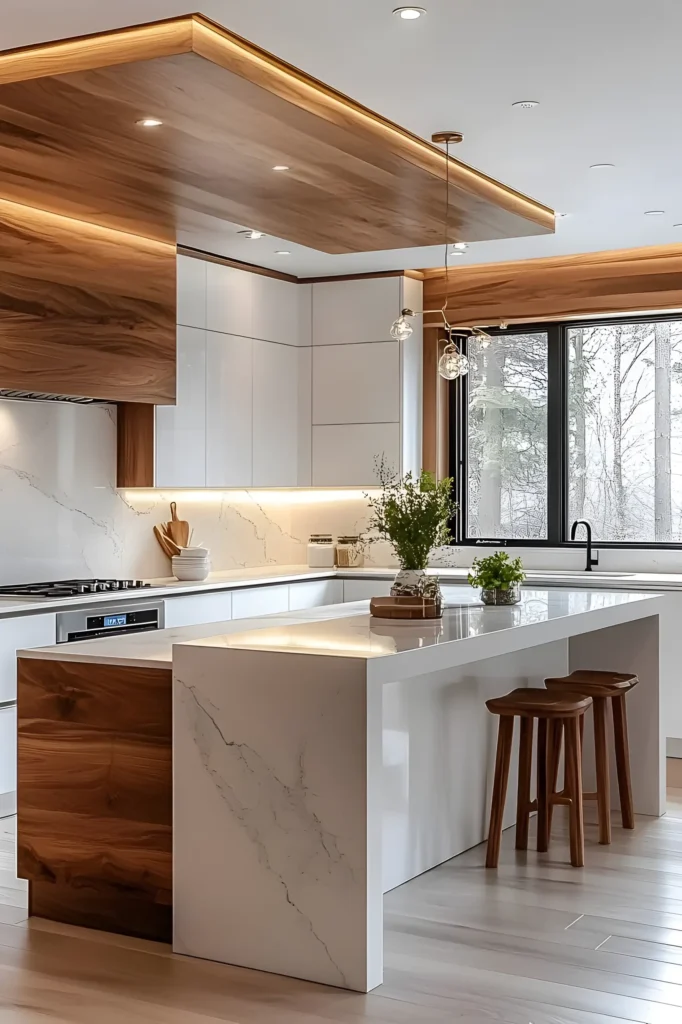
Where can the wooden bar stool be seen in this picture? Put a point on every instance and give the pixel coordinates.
(565, 709)
(601, 687)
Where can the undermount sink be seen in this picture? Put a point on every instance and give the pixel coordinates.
(580, 572)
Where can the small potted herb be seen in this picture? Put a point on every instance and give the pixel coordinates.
(498, 577)
(413, 513)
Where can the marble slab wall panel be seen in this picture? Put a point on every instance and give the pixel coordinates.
(61, 515)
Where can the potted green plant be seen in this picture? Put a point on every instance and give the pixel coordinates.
(413, 513)
(498, 577)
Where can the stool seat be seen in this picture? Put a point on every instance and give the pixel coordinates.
(594, 683)
(527, 702)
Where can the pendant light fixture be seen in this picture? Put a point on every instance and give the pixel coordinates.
(452, 363)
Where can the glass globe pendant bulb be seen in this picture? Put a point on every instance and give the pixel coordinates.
(402, 328)
(452, 364)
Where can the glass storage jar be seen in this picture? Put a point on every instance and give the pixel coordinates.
(321, 551)
(349, 552)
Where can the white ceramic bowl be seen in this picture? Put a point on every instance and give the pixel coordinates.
(188, 570)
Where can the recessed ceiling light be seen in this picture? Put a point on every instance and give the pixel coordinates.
(677, 225)
(458, 252)
(409, 13)
(282, 252)
(654, 213)
(460, 245)
(601, 167)
(248, 233)
(526, 104)
(560, 216)
(149, 122)
(280, 167)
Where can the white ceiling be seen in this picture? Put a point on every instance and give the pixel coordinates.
(607, 74)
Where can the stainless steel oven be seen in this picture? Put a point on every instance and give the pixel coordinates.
(116, 619)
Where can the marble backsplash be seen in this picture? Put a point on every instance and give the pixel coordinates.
(61, 515)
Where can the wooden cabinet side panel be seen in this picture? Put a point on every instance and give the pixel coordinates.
(85, 310)
(135, 445)
(94, 830)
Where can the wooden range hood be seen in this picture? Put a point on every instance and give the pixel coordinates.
(91, 203)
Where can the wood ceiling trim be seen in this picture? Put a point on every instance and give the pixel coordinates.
(558, 287)
(87, 53)
(195, 33)
(243, 58)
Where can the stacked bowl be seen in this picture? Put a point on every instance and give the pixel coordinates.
(192, 564)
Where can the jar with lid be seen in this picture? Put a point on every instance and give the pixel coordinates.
(349, 552)
(321, 551)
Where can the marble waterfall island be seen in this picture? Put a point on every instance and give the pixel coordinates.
(321, 763)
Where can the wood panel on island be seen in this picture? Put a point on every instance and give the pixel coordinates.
(95, 795)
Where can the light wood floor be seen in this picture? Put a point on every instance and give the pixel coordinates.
(537, 942)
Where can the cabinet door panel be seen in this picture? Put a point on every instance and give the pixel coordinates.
(23, 632)
(195, 609)
(276, 310)
(191, 307)
(229, 404)
(363, 590)
(275, 415)
(181, 428)
(256, 601)
(356, 383)
(344, 456)
(315, 594)
(229, 300)
(347, 312)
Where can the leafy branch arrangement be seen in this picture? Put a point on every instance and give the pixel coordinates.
(496, 572)
(413, 513)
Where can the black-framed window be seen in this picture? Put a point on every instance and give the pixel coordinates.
(575, 420)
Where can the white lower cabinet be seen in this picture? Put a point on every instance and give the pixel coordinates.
(259, 601)
(16, 634)
(195, 609)
(363, 590)
(315, 594)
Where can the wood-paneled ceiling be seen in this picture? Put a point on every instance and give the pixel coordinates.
(69, 143)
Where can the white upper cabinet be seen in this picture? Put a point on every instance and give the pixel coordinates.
(229, 410)
(275, 414)
(191, 294)
(229, 300)
(284, 385)
(351, 312)
(181, 428)
(356, 384)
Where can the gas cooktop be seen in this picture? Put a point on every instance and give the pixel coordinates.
(72, 588)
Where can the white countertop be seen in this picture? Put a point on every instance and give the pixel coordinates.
(236, 578)
(347, 630)
(360, 635)
(155, 648)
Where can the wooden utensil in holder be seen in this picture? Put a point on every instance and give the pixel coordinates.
(178, 529)
(405, 608)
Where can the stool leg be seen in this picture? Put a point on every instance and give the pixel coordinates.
(574, 786)
(554, 756)
(620, 731)
(504, 745)
(543, 819)
(523, 791)
(601, 757)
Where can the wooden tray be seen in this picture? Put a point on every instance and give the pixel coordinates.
(405, 608)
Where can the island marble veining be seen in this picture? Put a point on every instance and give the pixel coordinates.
(62, 515)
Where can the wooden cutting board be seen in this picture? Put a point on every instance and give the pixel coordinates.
(178, 529)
